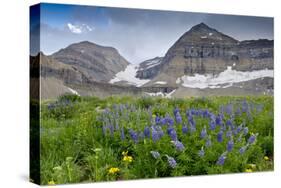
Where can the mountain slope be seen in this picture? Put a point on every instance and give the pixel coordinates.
(98, 63)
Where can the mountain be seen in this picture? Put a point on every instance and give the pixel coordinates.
(98, 63)
(203, 50)
(149, 69)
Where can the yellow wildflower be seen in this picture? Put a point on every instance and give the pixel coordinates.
(266, 158)
(248, 170)
(128, 158)
(51, 182)
(252, 166)
(125, 153)
(153, 116)
(113, 170)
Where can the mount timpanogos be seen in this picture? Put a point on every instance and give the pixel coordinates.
(202, 54)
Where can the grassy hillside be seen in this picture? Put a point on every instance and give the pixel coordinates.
(118, 138)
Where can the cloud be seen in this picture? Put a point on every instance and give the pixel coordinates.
(79, 29)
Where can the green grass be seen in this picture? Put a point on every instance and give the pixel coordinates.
(72, 134)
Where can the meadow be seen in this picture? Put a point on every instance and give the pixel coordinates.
(89, 139)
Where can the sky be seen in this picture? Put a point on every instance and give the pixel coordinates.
(137, 34)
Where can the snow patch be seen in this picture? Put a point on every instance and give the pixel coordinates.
(73, 91)
(210, 34)
(224, 79)
(204, 37)
(178, 81)
(161, 94)
(129, 75)
(160, 82)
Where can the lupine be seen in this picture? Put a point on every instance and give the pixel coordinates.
(252, 138)
(208, 142)
(146, 132)
(246, 130)
(184, 129)
(155, 154)
(134, 135)
(173, 134)
(122, 134)
(243, 149)
(228, 133)
(179, 146)
(203, 133)
(172, 162)
(176, 111)
(212, 125)
(201, 152)
(155, 136)
(157, 120)
(239, 128)
(229, 109)
(220, 136)
(221, 159)
(230, 145)
(178, 118)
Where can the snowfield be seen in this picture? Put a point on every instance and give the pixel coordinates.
(129, 75)
(161, 94)
(222, 80)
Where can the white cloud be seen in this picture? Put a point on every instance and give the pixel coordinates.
(79, 29)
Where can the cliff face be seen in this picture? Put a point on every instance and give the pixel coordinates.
(149, 68)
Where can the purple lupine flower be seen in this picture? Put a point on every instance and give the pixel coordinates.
(179, 146)
(178, 118)
(111, 129)
(229, 122)
(203, 133)
(245, 106)
(219, 120)
(134, 135)
(220, 136)
(157, 120)
(160, 131)
(146, 132)
(184, 129)
(163, 121)
(192, 128)
(212, 125)
(201, 152)
(252, 138)
(172, 162)
(230, 145)
(238, 111)
(229, 109)
(228, 133)
(176, 111)
(155, 154)
(243, 149)
(221, 159)
(246, 130)
(239, 128)
(208, 142)
(154, 133)
(173, 134)
(122, 134)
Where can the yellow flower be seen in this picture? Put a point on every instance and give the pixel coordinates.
(248, 170)
(153, 116)
(266, 158)
(125, 153)
(113, 170)
(252, 166)
(51, 182)
(128, 158)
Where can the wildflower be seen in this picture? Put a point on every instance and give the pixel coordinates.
(113, 170)
(178, 118)
(245, 130)
(228, 133)
(184, 129)
(155, 135)
(172, 133)
(248, 170)
(146, 132)
(252, 166)
(157, 120)
(201, 152)
(179, 146)
(51, 182)
(176, 111)
(172, 162)
(155, 154)
(230, 144)
(266, 158)
(243, 149)
(128, 159)
(208, 142)
(134, 135)
(252, 138)
(122, 134)
(219, 120)
(219, 136)
(212, 125)
(203, 132)
(221, 159)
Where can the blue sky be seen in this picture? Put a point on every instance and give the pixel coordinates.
(137, 34)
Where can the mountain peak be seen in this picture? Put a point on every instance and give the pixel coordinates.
(202, 25)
